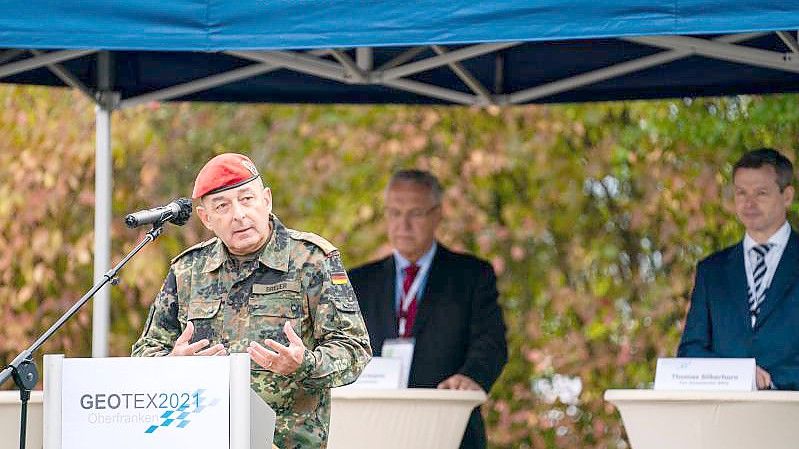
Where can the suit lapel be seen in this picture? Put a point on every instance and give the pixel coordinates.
(738, 285)
(434, 288)
(784, 278)
(387, 312)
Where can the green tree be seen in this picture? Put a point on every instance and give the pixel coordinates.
(593, 216)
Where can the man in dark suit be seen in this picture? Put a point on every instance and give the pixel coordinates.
(745, 301)
(445, 301)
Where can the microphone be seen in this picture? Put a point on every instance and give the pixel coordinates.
(177, 212)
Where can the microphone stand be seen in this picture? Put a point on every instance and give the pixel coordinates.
(22, 368)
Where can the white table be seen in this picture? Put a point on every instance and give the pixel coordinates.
(417, 418)
(708, 420)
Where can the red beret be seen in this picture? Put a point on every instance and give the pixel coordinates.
(223, 172)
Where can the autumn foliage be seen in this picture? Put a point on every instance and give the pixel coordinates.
(593, 216)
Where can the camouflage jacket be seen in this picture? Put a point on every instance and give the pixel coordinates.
(298, 277)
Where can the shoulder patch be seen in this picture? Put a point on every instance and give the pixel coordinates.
(323, 244)
(193, 248)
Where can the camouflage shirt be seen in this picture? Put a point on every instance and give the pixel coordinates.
(298, 277)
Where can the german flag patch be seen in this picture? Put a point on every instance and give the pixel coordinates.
(339, 278)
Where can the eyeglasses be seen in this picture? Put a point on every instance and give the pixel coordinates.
(413, 214)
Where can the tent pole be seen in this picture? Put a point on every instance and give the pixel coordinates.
(102, 205)
(102, 224)
(364, 58)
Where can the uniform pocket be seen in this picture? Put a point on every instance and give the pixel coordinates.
(276, 305)
(269, 313)
(204, 316)
(201, 310)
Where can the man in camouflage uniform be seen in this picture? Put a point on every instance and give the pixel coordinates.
(280, 295)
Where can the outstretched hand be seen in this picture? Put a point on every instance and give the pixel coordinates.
(280, 359)
(183, 347)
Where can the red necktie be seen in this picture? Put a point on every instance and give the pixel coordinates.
(410, 314)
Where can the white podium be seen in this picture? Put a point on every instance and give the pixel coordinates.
(708, 420)
(418, 418)
(250, 421)
(9, 421)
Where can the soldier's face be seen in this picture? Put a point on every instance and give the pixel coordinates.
(412, 217)
(759, 203)
(239, 217)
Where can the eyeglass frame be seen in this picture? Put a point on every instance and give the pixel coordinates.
(413, 214)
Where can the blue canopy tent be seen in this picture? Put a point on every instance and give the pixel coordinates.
(434, 51)
(499, 52)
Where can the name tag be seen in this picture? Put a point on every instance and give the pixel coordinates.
(402, 350)
(703, 374)
(285, 286)
(382, 373)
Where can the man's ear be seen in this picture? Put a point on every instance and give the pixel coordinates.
(787, 195)
(203, 214)
(268, 199)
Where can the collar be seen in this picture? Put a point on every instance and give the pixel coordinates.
(778, 240)
(274, 255)
(423, 262)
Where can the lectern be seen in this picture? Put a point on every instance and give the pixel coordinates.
(708, 420)
(418, 418)
(157, 402)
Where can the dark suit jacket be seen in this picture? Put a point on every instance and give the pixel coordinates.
(458, 327)
(718, 323)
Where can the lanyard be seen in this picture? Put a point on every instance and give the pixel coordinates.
(407, 298)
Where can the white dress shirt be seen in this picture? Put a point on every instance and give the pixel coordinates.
(400, 263)
(777, 243)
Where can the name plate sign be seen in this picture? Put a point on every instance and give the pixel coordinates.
(134, 403)
(382, 373)
(705, 374)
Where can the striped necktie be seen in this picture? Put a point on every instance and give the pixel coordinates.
(756, 293)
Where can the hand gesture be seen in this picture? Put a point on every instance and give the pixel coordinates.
(280, 359)
(182, 346)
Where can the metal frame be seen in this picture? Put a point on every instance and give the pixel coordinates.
(41, 60)
(613, 71)
(395, 73)
(339, 65)
(724, 51)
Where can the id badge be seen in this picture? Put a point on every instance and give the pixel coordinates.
(402, 349)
